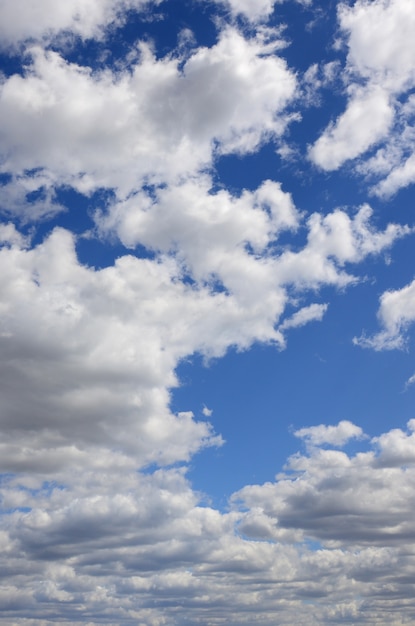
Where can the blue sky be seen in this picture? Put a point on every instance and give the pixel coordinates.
(207, 304)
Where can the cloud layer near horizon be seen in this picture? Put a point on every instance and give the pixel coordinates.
(137, 548)
(99, 522)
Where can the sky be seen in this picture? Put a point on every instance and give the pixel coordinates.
(207, 307)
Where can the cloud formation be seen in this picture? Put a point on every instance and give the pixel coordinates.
(396, 313)
(44, 20)
(153, 122)
(376, 126)
(99, 520)
(153, 554)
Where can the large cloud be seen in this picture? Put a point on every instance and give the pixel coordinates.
(328, 540)
(45, 19)
(153, 122)
(99, 524)
(379, 77)
(96, 372)
(343, 500)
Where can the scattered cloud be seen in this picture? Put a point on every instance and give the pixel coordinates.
(254, 10)
(25, 21)
(99, 521)
(396, 313)
(375, 129)
(334, 435)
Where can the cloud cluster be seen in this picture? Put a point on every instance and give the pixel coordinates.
(44, 20)
(329, 540)
(379, 78)
(154, 122)
(85, 534)
(99, 523)
(96, 373)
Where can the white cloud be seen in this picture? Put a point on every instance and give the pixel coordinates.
(337, 435)
(99, 523)
(366, 120)
(333, 241)
(410, 381)
(379, 77)
(342, 500)
(153, 122)
(381, 46)
(108, 341)
(45, 19)
(96, 358)
(319, 543)
(255, 10)
(396, 448)
(313, 312)
(17, 198)
(396, 313)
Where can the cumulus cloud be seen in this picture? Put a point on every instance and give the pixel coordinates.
(366, 120)
(333, 241)
(43, 20)
(335, 435)
(132, 546)
(108, 341)
(396, 313)
(379, 78)
(99, 522)
(254, 10)
(155, 122)
(337, 499)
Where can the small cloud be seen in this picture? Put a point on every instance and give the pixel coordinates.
(311, 313)
(337, 435)
(410, 381)
(207, 412)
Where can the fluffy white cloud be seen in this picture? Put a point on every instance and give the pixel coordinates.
(99, 523)
(254, 10)
(380, 40)
(334, 241)
(108, 341)
(103, 362)
(44, 19)
(396, 313)
(379, 114)
(319, 542)
(335, 435)
(337, 499)
(366, 120)
(154, 122)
